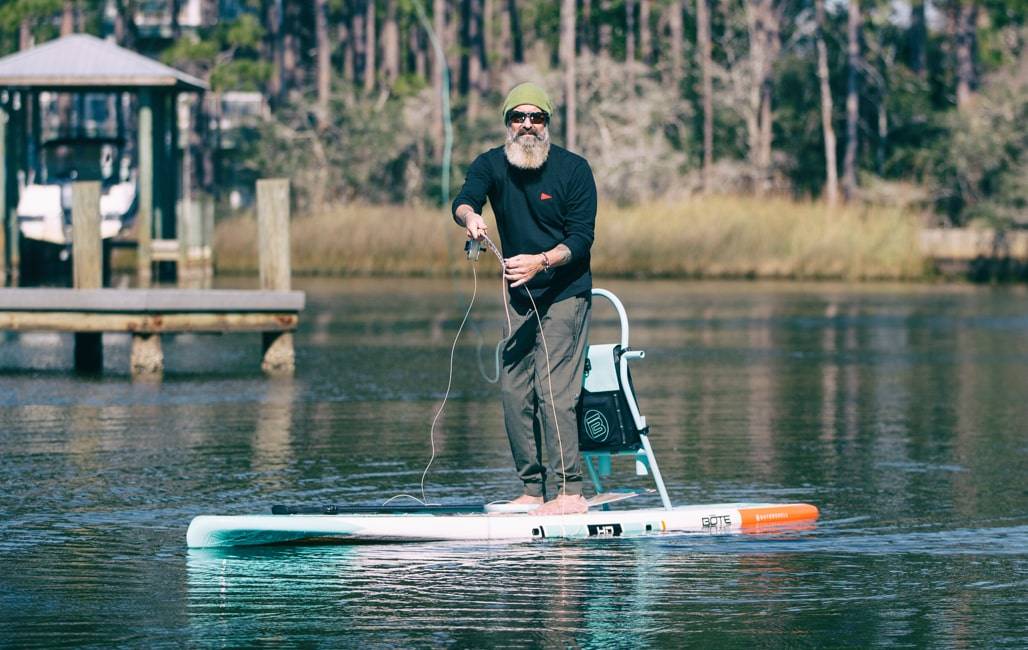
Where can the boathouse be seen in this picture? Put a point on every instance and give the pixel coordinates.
(144, 95)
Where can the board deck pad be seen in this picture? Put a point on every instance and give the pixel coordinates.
(404, 508)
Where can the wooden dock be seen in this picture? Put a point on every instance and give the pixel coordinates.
(88, 310)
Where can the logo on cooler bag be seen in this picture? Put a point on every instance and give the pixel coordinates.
(596, 425)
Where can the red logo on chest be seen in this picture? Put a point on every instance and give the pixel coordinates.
(543, 196)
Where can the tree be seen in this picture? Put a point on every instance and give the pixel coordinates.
(918, 38)
(390, 45)
(762, 17)
(677, 38)
(853, 25)
(369, 46)
(707, 89)
(324, 62)
(966, 15)
(831, 171)
(567, 58)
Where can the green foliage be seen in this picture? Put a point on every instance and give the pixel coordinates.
(191, 53)
(244, 74)
(980, 171)
(245, 32)
(38, 13)
(642, 135)
(364, 151)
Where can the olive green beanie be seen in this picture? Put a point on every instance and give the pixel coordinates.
(527, 93)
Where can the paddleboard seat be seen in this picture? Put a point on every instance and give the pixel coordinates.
(609, 420)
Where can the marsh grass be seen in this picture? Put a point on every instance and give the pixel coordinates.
(710, 237)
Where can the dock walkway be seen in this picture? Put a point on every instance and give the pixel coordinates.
(148, 313)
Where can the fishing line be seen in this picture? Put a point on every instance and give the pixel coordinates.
(546, 355)
(449, 383)
(445, 189)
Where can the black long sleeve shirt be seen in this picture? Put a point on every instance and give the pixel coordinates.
(536, 210)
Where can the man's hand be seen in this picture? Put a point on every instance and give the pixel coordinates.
(522, 268)
(475, 225)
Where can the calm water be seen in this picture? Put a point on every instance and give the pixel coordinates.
(900, 411)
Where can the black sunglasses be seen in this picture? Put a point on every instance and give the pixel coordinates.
(517, 117)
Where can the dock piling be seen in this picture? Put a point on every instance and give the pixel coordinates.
(275, 267)
(87, 269)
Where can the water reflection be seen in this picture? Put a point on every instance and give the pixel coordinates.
(898, 411)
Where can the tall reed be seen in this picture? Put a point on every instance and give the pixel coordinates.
(713, 237)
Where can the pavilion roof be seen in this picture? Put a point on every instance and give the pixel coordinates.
(81, 61)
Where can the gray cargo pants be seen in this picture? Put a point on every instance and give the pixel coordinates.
(527, 410)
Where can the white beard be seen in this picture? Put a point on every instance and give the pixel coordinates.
(527, 151)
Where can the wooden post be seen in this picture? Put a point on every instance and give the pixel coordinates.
(147, 356)
(5, 226)
(87, 266)
(144, 210)
(274, 264)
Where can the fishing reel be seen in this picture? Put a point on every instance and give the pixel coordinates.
(473, 249)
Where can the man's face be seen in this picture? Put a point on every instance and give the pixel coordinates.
(528, 141)
(526, 127)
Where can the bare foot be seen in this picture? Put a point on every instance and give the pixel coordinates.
(564, 504)
(528, 500)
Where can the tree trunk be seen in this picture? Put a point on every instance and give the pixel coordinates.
(464, 48)
(175, 6)
(358, 42)
(585, 29)
(417, 46)
(849, 173)
(489, 52)
(68, 18)
(567, 60)
(477, 66)
(883, 134)
(645, 35)
(324, 59)
(831, 172)
(291, 47)
(677, 44)
(967, 81)
(606, 35)
(390, 45)
(629, 30)
(630, 43)
(345, 34)
(918, 38)
(369, 47)
(276, 84)
(24, 34)
(762, 20)
(517, 47)
(706, 65)
(438, 65)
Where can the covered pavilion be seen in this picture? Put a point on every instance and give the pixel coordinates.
(81, 65)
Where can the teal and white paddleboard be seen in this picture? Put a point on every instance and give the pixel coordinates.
(355, 528)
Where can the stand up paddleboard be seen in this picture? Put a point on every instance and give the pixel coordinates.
(610, 425)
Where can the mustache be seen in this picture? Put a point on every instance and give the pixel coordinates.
(529, 134)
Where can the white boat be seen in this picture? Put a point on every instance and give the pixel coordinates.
(611, 425)
(44, 209)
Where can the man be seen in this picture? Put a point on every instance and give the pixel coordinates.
(544, 199)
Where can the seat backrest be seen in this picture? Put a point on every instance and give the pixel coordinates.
(604, 419)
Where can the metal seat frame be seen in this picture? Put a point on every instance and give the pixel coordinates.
(598, 462)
